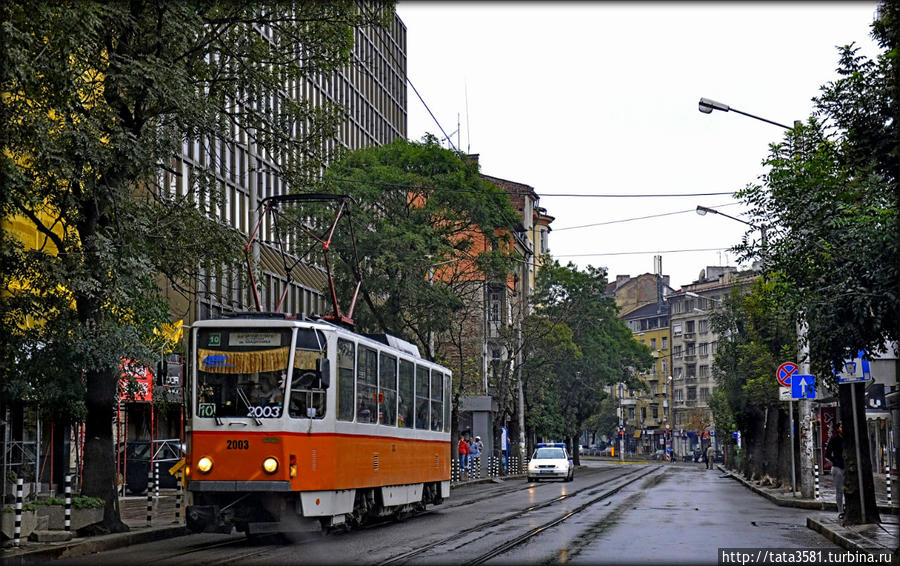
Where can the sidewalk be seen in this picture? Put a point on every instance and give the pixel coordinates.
(876, 537)
(134, 514)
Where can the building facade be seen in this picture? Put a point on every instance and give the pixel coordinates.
(694, 344)
(372, 88)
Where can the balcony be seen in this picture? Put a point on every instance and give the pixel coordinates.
(690, 403)
(690, 336)
(690, 357)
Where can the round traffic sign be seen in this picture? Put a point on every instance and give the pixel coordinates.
(784, 373)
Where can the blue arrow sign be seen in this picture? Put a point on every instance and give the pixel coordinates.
(803, 386)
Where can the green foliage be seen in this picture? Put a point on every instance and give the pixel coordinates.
(830, 198)
(98, 98)
(419, 215)
(576, 346)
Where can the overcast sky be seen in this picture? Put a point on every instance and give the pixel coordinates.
(601, 98)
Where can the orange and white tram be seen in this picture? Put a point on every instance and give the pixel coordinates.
(300, 423)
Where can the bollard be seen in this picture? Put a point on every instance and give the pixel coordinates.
(887, 483)
(68, 522)
(178, 497)
(149, 496)
(156, 477)
(816, 471)
(18, 527)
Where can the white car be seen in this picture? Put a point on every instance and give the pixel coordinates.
(550, 461)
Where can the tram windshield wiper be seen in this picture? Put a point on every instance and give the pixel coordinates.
(247, 404)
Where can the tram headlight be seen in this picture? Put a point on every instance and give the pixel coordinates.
(270, 465)
(204, 464)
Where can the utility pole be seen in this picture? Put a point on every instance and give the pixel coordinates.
(805, 418)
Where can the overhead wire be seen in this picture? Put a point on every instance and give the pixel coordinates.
(638, 218)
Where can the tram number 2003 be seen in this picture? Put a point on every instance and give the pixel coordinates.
(237, 444)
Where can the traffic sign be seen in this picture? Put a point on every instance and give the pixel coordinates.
(855, 370)
(784, 373)
(784, 394)
(803, 386)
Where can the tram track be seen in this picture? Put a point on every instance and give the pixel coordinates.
(623, 480)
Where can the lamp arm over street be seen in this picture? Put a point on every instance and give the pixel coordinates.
(707, 105)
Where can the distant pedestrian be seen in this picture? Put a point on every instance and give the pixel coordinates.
(474, 451)
(834, 451)
(463, 449)
(710, 454)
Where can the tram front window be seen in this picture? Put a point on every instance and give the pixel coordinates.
(242, 373)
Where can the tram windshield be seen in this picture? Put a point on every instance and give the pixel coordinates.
(242, 372)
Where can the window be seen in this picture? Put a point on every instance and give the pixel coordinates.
(704, 349)
(643, 413)
(405, 394)
(704, 325)
(689, 328)
(704, 394)
(387, 389)
(688, 305)
(437, 400)
(691, 393)
(679, 394)
(367, 385)
(631, 413)
(704, 371)
(678, 372)
(689, 350)
(422, 397)
(346, 357)
(665, 343)
(676, 329)
(653, 343)
(676, 351)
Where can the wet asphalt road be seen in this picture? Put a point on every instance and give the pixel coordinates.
(661, 514)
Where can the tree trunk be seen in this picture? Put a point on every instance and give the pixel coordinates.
(99, 457)
(756, 447)
(852, 503)
(784, 447)
(770, 445)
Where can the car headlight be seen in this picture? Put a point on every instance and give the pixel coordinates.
(270, 465)
(204, 464)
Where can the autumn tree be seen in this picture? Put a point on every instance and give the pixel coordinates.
(98, 98)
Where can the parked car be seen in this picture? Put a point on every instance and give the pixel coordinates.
(659, 455)
(134, 462)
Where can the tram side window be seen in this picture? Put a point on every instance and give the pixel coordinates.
(345, 397)
(437, 400)
(367, 385)
(422, 398)
(447, 402)
(307, 396)
(405, 394)
(387, 393)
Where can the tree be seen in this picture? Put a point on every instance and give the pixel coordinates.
(577, 347)
(98, 98)
(756, 332)
(830, 195)
(427, 227)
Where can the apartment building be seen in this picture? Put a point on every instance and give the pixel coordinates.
(372, 88)
(694, 344)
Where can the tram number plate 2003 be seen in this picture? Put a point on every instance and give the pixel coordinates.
(237, 444)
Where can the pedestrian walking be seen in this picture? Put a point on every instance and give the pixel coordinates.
(463, 449)
(474, 450)
(710, 454)
(834, 451)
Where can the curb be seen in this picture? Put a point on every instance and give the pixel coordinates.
(91, 545)
(855, 543)
(794, 502)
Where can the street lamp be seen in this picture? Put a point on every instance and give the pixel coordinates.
(702, 210)
(708, 105)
